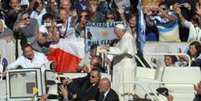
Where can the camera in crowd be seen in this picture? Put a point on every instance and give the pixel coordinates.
(100, 50)
(24, 5)
(53, 87)
(2, 14)
(185, 5)
(59, 24)
(155, 11)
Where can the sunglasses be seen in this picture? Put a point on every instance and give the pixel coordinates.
(92, 76)
(110, 17)
(26, 18)
(83, 16)
(164, 9)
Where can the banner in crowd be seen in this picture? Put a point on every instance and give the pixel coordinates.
(122, 3)
(7, 50)
(100, 34)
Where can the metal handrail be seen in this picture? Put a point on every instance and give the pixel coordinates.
(140, 61)
(147, 91)
(164, 83)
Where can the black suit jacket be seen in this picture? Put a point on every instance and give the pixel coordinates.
(84, 90)
(197, 97)
(111, 96)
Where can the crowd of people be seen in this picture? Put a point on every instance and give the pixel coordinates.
(41, 23)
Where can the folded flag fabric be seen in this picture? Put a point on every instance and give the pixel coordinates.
(66, 55)
(141, 27)
(169, 32)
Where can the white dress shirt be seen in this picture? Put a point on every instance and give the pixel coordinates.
(105, 94)
(38, 61)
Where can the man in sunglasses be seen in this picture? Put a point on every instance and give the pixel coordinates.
(26, 29)
(85, 88)
(166, 22)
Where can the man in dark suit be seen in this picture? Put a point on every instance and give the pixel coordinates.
(86, 88)
(106, 92)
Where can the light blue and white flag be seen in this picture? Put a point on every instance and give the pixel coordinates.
(141, 27)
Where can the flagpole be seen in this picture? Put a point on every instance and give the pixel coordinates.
(85, 41)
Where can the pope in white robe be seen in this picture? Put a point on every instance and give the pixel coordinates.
(123, 62)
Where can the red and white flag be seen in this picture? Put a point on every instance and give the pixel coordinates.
(67, 54)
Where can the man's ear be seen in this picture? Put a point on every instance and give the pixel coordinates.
(23, 54)
(9, 4)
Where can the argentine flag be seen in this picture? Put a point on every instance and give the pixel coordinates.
(141, 27)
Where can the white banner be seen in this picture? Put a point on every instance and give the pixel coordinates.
(7, 50)
(100, 34)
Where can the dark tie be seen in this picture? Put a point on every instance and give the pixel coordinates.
(101, 97)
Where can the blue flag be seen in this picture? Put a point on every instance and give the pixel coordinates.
(141, 39)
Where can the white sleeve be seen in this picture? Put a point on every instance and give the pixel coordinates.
(44, 60)
(126, 46)
(115, 51)
(15, 64)
(187, 24)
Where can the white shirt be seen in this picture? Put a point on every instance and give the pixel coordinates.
(38, 61)
(125, 45)
(105, 94)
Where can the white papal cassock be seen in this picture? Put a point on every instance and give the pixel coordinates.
(124, 69)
